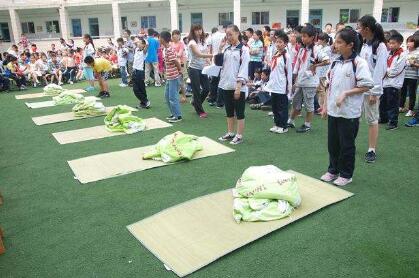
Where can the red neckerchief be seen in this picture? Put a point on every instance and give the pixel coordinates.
(303, 59)
(274, 61)
(394, 55)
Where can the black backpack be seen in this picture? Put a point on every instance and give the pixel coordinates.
(4, 83)
(219, 58)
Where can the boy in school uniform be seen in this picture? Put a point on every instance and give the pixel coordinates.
(306, 80)
(280, 82)
(101, 68)
(138, 74)
(393, 82)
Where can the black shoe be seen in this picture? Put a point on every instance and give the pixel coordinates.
(392, 127)
(382, 122)
(370, 157)
(175, 120)
(144, 106)
(101, 94)
(303, 129)
(290, 125)
(220, 106)
(105, 95)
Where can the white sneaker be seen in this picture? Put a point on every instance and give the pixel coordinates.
(123, 85)
(270, 114)
(157, 85)
(274, 129)
(60, 83)
(328, 177)
(71, 82)
(409, 114)
(281, 130)
(342, 181)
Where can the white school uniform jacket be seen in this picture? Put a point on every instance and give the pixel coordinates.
(305, 78)
(139, 58)
(343, 78)
(122, 53)
(233, 70)
(395, 73)
(377, 69)
(324, 54)
(280, 79)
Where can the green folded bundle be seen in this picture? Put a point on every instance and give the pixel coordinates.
(89, 107)
(68, 98)
(265, 193)
(175, 147)
(120, 119)
(53, 90)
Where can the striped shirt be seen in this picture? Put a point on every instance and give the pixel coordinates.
(412, 57)
(172, 71)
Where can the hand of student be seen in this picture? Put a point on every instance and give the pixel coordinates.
(373, 99)
(237, 94)
(313, 69)
(183, 99)
(340, 99)
(323, 114)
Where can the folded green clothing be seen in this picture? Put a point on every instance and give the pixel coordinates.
(89, 107)
(175, 147)
(120, 119)
(265, 193)
(53, 90)
(68, 98)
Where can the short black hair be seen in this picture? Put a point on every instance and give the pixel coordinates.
(166, 36)
(267, 72)
(280, 34)
(396, 36)
(267, 28)
(328, 24)
(250, 30)
(175, 32)
(89, 60)
(214, 30)
(120, 40)
(128, 32)
(310, 30)
(150, 32)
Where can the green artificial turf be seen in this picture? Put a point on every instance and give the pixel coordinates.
(56, 227)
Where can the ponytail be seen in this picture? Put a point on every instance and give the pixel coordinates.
(375, 27)
(87, 36)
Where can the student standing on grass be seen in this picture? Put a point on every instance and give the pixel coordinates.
(173, 70)
(179, 48)
(349, 79)
(122, 53)
(214, 98)
(374, 51)
(89, 51)
(410, 84)
(101, 68)
(256, 53)
(322, 65)
(393, 82)
(151, 61)
(197, 60)
(280, 82)
(138, 74)
(233, 79)
(306, 80)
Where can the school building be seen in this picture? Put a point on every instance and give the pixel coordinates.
(45, 21)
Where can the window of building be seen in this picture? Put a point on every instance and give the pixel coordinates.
(293, 18)
(94, 26)
(260, 18)
(28, 28)
(390, 15)
(148, 22)
(315, 18)
(4, 32)
(225, 18)
(124, 22)
(76, 25)
(53, 26)
(180, 23)
(196, 18)
(349, 15)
